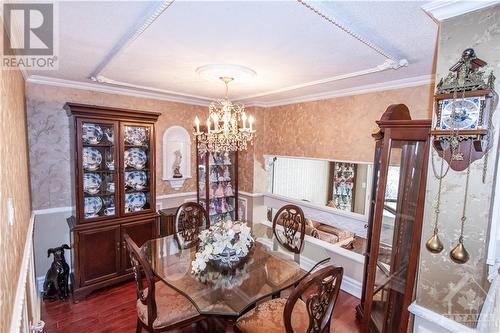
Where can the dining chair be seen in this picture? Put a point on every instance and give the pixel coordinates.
(159, 307)
(307, 310)
(291, 218)
(189, 219)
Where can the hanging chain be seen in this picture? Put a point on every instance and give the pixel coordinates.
(438, 203)
(464, 218)
(488, 145)
(441, 175)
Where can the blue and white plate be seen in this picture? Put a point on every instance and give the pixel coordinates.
(136, 158)
(135, 135)
(136, 180)
(92, 158)
(91, 183)
(134, 201)
(92, 133)
(92, 206)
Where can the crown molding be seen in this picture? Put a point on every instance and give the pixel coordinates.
(134, 33)
(98, 87)
(369, 88)
(443, 10)
(386, 65)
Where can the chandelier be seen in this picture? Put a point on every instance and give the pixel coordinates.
(226, 126)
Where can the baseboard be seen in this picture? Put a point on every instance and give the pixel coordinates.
(39, 283)
(19, 310)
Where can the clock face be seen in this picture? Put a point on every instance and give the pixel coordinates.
(460, 114)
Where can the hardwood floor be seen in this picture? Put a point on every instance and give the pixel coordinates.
(113, 310)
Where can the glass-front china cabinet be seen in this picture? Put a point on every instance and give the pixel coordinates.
(217, 182)
(114, 191)
(395, 220)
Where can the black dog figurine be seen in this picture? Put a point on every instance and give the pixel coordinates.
(56, 279)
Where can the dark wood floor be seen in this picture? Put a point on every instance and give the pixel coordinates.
(113, 310)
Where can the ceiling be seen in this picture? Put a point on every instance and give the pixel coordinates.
(299, 52)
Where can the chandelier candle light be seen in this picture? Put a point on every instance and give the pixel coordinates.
(230, 131)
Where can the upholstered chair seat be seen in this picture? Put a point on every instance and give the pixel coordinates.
(308, 309)
(268, 317)
(172, 307)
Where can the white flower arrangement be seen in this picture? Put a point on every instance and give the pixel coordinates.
(225, 242)
(219, 280)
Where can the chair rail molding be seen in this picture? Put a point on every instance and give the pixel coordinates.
(427, 321)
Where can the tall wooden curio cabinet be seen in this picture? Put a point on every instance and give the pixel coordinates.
(217, 184)
(395, 220)
(114, 191)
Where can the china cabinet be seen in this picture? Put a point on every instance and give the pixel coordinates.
(217, 184)
(114, 191)
(395, 220)
(343, 184)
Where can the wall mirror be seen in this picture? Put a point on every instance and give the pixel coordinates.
(341, 185)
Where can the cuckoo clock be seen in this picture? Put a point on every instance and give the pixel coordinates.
(464, 103)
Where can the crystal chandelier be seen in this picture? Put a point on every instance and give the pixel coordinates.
(230, 131)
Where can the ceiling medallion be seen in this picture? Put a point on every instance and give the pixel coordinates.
(230, 131)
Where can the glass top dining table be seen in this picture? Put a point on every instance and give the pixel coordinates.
(268, 270)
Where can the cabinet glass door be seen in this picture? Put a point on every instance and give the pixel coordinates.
(402, 188)
(220, 185)
(96, 158)
(138, 168)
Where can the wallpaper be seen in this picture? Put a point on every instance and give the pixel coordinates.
(49, 137)
(338, 128)
(458, 291)
(14, 179)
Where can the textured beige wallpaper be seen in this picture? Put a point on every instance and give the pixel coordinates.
(49, 137)
(458, 291)
(14, 187)
(338, 128)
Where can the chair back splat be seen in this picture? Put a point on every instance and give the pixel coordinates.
(291, 218)
(188, 223)
(144, 277)
(319, 292)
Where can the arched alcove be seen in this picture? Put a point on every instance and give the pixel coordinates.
(176, 139)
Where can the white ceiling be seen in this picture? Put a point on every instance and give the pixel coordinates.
(287, 44)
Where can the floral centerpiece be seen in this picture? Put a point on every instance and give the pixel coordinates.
(224, 246)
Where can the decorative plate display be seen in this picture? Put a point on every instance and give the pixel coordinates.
(136, 180)
(135, 158)
(466, 115)
(91, 183)
(91, 133)
(135, 135)
(134, 201)
(92, 206)
(92, 158)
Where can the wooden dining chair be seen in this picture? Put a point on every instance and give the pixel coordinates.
(159, 307)
(189, 219)
(291, 218)
(308, 309)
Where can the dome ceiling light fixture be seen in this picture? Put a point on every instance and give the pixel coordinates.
(226, 126)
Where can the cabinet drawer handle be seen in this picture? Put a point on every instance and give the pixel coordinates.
(118, 245)
(124, 245)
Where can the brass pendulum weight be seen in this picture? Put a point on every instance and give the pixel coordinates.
(434, 244)
(459, 254)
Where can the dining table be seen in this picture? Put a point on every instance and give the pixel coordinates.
(268, 270)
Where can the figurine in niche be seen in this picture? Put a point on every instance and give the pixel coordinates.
(227, 159)
(56, 279)
(176, 167)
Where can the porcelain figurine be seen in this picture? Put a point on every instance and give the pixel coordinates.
(176, 167)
